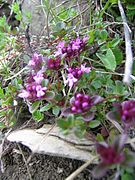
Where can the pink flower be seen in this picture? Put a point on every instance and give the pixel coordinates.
(112, 155)
(128, 111)
(75, 73)
(85, 69)
(125, 112)
(61, 45)
(81, 103)
(71, 80)
(40, 91)
(54, 64)
(33, 89)
(85, 39)
(109, 154)
(71, 50)
(76, 44)
(36, 62)
(38, 77)
(24, 94)
(58, 52)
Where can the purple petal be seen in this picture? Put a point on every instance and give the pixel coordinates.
(97, 99)
(66, 111)
(119, 142)
(85, 69)
(61, 44)
(72, 100)
(89, 116)
(100, 171)
(24, 94)
(111, 116)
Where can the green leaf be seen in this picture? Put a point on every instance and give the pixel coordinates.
(1, 94)
(38, 116)
(70, 119)
(46, 52)
(60, 29)
(60, 25)
(119, 89)
(99, 137)
(103, 35)
(56, 110)
(113, 1)
(94, 123)
(133, 69)
(131, 6)
(91, 37)
(34, 106)
(131, 13)
(64, 124)
(127, 176)
(129, 170)
(49, 95)
(115, 41)
(46, 107)
(96, 83)
(80, 133)
(2, 113)
(2, 125)
(118, 55)
(45, 82)
(108, 60)
(17, 83)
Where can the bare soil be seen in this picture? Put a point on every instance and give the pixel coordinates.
(40, 167)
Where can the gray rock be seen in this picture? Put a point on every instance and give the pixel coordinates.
(52, 142)
(38, 21)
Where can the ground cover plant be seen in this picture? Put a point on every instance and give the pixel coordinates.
(77, 78)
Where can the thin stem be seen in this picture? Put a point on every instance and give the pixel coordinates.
(80, 169)
(115, 73)
(25, 68)
(30, 177)
(105, 8)
(67, 96)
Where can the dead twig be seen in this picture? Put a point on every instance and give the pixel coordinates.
(129, 54)
(80, 169)
(2, 151)
(30, 177)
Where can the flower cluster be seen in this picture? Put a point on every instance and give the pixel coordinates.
(54, 64)
(71, 50)
(127, 111)
(33, 89)
(109, 155)
(36, 62)
(75, 73)
(81, 103)
(112, 155)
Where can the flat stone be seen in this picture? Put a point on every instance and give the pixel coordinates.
(52, 142)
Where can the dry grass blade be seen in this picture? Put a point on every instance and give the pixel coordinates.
(80, 169)
(1, 150)
(30, 177)
(129, 54)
